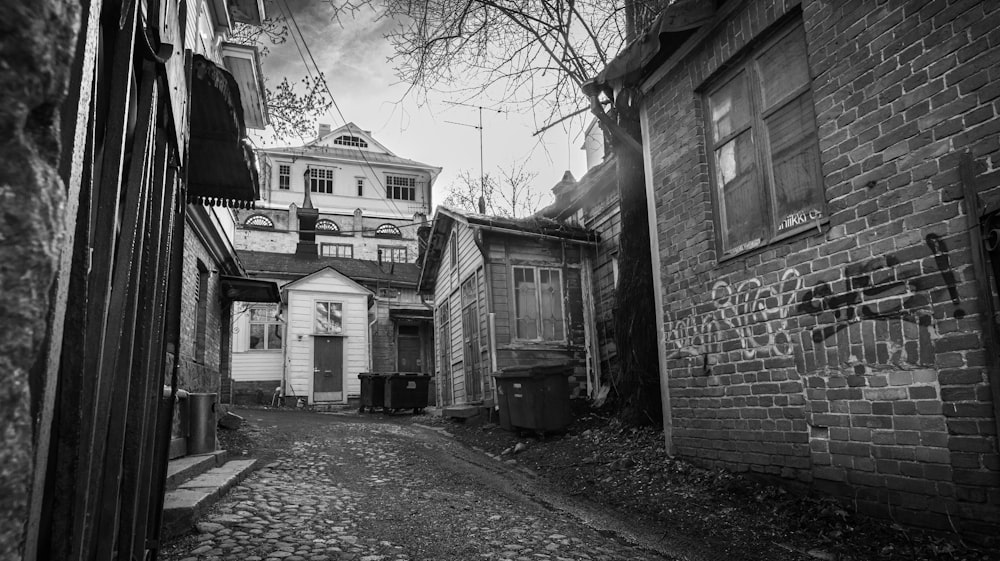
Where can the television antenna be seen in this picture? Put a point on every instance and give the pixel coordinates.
(482, 174)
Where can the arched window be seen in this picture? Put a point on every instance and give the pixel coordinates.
(327, 225)
(388, 231)
(258, 221)
(347, 140)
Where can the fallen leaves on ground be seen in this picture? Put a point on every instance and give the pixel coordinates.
(627, 469)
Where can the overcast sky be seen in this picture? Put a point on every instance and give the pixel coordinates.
(353, 56)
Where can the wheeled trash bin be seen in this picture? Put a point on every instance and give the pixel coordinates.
(406, 391)
(534, 397)
(372, 390)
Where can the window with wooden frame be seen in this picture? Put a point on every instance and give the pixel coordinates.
(763, 146)
(361, 186)
(329, 318)
(336, 250)
(401, 187)
(265, 327)
(453, 249)
(258, 221)
(392, 253)
(538, 304)
(321, 180)
(284, 177)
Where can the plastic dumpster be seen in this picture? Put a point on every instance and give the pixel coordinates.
(406, 391)
(372, 390)
(534, 397)
(201, 408)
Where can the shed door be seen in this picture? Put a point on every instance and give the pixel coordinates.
(328, 369)
(470, 332)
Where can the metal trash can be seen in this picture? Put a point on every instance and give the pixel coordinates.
(406, 391)
(201, 408)
(534, 397)
(372, 391)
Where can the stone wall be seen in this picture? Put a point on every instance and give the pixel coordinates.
(849, 356)
(37, 45)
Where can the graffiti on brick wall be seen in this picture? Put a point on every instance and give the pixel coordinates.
(756, 318)
(752, 312)
(881, 289)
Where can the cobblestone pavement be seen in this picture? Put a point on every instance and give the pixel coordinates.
(347, 487)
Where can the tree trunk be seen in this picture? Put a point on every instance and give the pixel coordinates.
(638, 379)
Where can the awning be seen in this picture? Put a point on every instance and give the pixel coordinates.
(240, 289)
(411, 314)
(222, 169)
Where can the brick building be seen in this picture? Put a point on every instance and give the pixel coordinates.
(824, 313)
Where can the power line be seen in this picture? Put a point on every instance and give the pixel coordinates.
(333, 100)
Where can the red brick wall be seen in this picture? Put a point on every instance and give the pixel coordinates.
(849, 357)
(201, 376)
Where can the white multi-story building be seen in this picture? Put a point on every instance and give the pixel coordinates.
(370, 200)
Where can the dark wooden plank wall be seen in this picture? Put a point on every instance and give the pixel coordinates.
(504, 252)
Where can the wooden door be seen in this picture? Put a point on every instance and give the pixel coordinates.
(328, 369)
(470, 334)
(408, 349)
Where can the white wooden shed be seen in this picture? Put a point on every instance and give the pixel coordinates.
(326, 316)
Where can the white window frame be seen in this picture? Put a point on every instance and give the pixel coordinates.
(539, 321)
(285, 177)
(390, 251)
(321, 180)
(360, 182)
(337, 246)
(401, 187)
(270, 320)
(332, 328)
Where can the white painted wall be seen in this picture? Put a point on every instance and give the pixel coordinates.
(302, 296)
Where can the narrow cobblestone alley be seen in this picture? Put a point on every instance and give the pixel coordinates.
(363, 488)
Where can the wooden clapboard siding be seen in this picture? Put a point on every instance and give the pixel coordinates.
(325, 286)
(256, 366)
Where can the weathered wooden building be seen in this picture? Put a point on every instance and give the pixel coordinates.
(507, 292)
(821, 187)
(121, 121)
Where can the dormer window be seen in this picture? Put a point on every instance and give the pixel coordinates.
(347, 140)
(327, 225)
(401, 188)
(258, 221)
(388, 231)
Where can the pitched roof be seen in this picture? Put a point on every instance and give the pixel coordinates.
(537, 225)
(351, 154)
(286, 265)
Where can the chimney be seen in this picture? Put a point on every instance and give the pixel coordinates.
(307, 217)
(324, 129)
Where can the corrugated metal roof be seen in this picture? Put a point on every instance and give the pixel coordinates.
(261, 263)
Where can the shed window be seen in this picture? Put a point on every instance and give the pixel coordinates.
(321, 180)
(265, 328)
(538, 304)
(258, 221)
(329, 318)
(765, 153)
